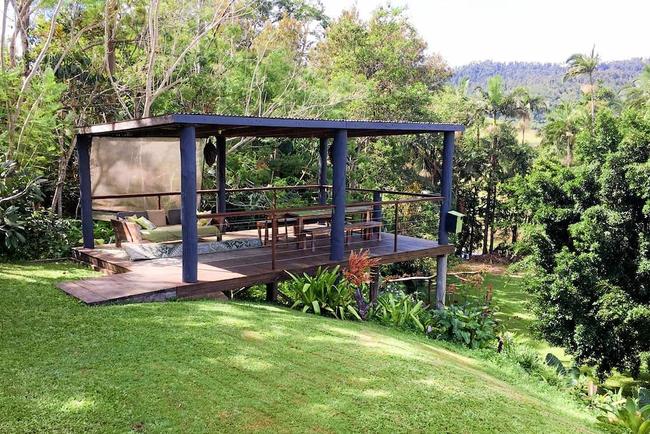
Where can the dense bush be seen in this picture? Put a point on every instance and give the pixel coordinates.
(590, 244)
(468, 324)
(326, 292)
(44, 236)
(402, 311)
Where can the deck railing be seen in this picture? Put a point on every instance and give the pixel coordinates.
(400, 213)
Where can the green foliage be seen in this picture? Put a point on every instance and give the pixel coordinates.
(325, 293)
(19, 189)
(468, 324)
(402, 311)
(45, 236)
(633, 414)
(590, 244)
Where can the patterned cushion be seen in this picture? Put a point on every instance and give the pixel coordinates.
(139, 252)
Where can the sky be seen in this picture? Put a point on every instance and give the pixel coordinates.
(463, 31)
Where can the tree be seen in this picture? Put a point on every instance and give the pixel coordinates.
(562, 126)
(637, 94)
(526, 106)
(585, 64)
(588, 241)
(497, 103)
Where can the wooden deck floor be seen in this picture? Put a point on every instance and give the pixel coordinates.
(160, 279)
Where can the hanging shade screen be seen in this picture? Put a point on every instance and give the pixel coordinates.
(120, 165)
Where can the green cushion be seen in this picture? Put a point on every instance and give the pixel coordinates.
(174, 233)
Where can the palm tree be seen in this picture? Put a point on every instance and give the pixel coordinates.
(637, 95)
(497, 103)
(585, 64)
(526, 105)
(562, 126)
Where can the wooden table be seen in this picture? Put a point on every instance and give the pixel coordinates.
(321, 215)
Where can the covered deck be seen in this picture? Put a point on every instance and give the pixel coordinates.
(201, 275)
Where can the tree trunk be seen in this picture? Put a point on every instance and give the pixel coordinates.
(64, 161)
(515, 233)
(110, 13)
(486, 221)
(593, 103)
(2, 34)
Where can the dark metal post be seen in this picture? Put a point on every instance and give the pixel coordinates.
(188, 204)
(340, 156)
(322, 172)
(85, 190)
(221, 173)
(445, 207)
(445, 185)
(272, 291)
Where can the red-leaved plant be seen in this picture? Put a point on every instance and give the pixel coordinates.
(357, 274)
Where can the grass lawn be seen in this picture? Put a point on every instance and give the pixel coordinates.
(206, 366)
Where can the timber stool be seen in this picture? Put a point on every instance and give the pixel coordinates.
(314, 232)
(364, 228)
(265, 224)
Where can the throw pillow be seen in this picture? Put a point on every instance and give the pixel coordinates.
(145, 223)
(157, 217)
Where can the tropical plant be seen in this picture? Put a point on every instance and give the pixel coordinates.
(637, 95)
(19, 189)
(562, 126)
(526, 106)
(402, 311)
(326, 292)
(579, 64)
(630, 413)
(468, 324)
(357, 273)
(497, 103)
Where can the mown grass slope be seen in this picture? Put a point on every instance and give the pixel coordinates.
(206, 366)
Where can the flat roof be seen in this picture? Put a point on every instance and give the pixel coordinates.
(251, 126)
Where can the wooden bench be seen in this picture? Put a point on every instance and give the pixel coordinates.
(265, 224)
(364, 228)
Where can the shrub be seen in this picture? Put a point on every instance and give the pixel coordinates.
(402, 311)
(45, 236)
(632, 414)
(324, 293)
(468, 324)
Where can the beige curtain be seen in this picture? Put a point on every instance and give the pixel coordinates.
(138, 165)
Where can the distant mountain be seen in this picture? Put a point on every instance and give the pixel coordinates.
(546, 79)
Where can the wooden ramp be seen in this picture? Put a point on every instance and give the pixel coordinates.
(160, 279)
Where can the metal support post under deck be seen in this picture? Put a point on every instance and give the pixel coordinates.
(188, 204)
(85, 191)
(340, 156)
(322, 171)
(445, 207)
(272, 291)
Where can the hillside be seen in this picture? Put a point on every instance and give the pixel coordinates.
(208, 366)
(546, 79)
